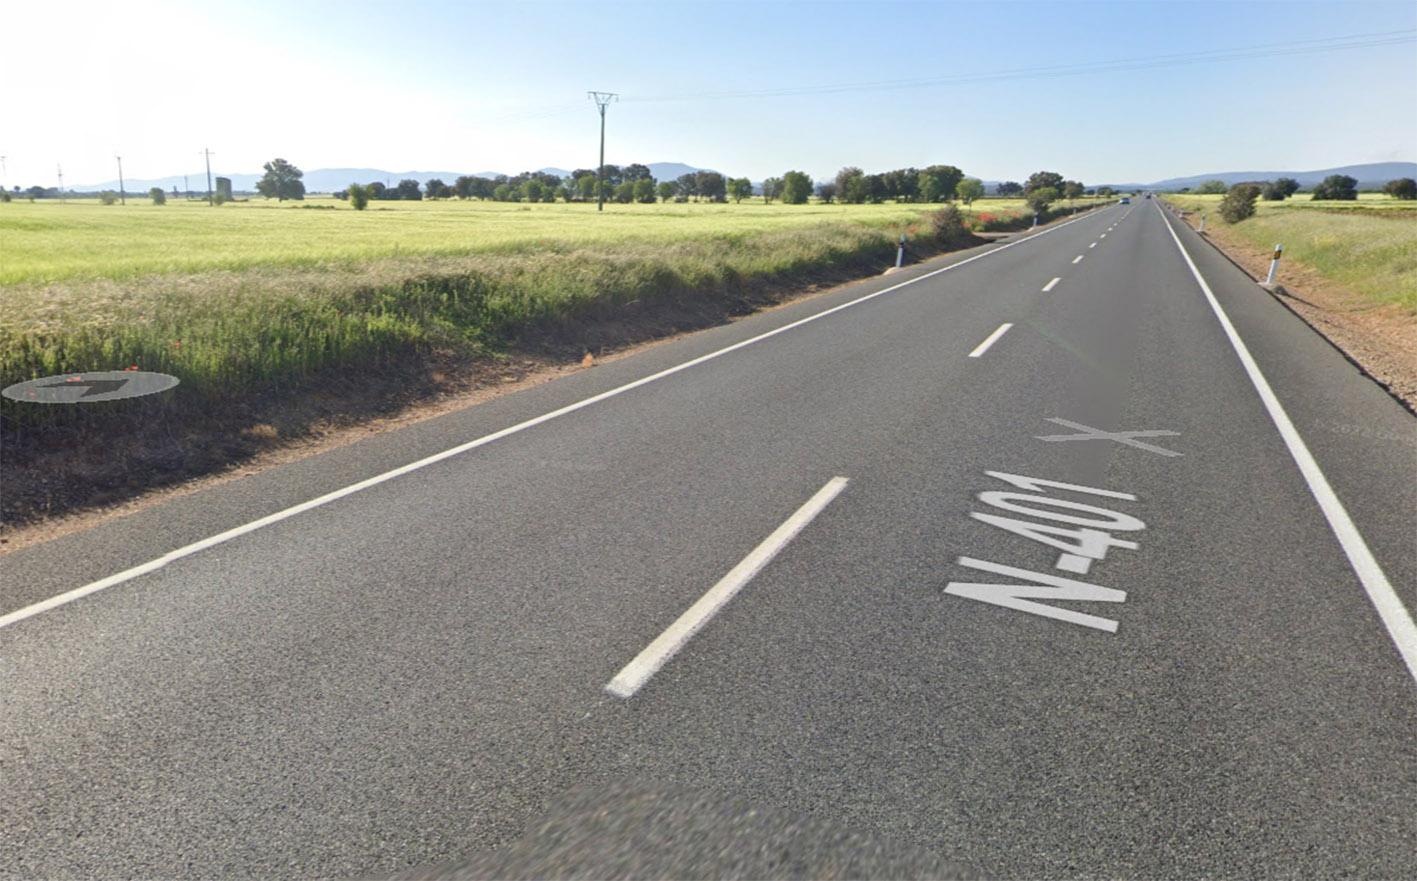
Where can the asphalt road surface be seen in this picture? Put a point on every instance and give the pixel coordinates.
(1075, 555)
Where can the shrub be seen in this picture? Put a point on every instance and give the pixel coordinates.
(358, 197)
(1402, 188)
(108, 197)
(1041, 198)
(1239, 203)
(158, 196)
(948, 228)
(1336, 187)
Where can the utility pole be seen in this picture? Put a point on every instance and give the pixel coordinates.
(122, 194)
(601, 99)
(208, 154)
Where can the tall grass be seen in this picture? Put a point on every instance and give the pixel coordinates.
(1372, 253)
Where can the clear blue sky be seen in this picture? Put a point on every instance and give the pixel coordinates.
(474, 86)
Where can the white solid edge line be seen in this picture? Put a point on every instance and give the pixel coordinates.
(235, 532)
(635, 674)
(984, 346)
(1050, 285)
(1395, 616)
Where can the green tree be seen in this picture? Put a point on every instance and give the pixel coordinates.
(358, 197)
(433, 187)
(636, 172)
(585, 185)
(533, 190)
(1009, 188)
(688, 185)
(1072, 189)
(1043, 179)
(945, 183)
(502, 193)
(711, 186)
(408, 191)
(826, 191)
(740, 188)
(1239, 202)
(1040, 198)
(1286, 185)
(1211, 187)
(1402, 188)
(463, 187)
(850, 186)
(772, 188)
(624, 192)
(1336, 188)
(796, 188)
(644, 190)
(282, 180)
(969, 189)
(158, 196)
(108, 197)
(666, 189)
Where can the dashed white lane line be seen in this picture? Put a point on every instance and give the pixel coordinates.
(1092, 245)
(993, 338)
(1077, 259)
(1103, 236)
(1050, 285)
(655, 655)
(1394, 615)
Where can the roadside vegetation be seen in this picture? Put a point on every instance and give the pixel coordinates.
(1368, 243)
(261, 307)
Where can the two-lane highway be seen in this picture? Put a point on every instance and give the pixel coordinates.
(1005, 558)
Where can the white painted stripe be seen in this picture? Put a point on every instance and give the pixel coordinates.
(1050, 285)
(1094, 244)
(1077, 259)
(1103, 236)
(1395, 616)
(984, 346)
(655, 655)
(187, 550)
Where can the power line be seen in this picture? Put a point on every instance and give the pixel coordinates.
(1269, 50)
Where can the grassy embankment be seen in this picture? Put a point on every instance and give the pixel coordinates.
(253, 293)
(1369, 245)
(284, 320)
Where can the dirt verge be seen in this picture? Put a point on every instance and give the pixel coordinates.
(1380, 339)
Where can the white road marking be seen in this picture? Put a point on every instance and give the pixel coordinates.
(993, 337)
(238, 531)
(1050, 285)
(1076, 563)
(1124, 437)
(648, 662)
(1094, 244)
(1045, 587)
(1103, 236)
(1078, 259)
(1395, 616)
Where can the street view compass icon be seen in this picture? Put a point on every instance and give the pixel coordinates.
(85, 388)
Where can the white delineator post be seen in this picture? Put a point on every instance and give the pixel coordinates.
(1274, 263)
(900, 254)
(1035, 219)
(1202, 226)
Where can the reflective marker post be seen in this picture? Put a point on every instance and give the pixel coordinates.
(1274, 263)
(1202, 226)
(900, 254)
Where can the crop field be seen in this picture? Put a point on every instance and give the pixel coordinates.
(1369, 247)
(50, 241)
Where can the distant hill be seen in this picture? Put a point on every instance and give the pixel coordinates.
(1370, 176)
(329, 180)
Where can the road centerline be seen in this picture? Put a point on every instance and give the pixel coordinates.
(635, 674)
(1077, 259)
(1050, 285)
(993, 337)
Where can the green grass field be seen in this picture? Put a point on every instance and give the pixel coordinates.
(50, 241)
(1369, 246)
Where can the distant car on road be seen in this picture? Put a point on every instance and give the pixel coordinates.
(1126, 200)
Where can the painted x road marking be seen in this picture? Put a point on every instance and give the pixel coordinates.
(1123, 437)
